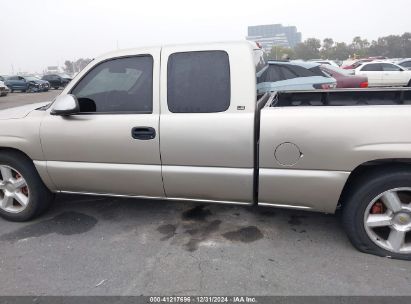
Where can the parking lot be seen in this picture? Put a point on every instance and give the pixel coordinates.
(19, 99)
(111, 246)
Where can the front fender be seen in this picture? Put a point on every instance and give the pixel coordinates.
(23, 134)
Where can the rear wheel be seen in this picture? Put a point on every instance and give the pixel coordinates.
(22, 192)
(377, 215)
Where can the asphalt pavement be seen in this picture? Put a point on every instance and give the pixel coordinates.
(111, 246)
(18, 98)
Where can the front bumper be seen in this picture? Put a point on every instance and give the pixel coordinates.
(4, 91)
(41, 87)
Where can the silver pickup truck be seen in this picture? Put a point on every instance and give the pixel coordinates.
(185, 123)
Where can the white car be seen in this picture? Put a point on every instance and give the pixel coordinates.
(384, 74)
(4, 90)
(405, 63)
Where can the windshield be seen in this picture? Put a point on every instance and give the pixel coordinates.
(64, 76)
(357, 64)
(32, 78)
(318, 72)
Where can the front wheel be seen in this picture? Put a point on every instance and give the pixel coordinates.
(377, 214)
(22, 192)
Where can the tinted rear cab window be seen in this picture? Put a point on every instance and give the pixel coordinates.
(198, 82)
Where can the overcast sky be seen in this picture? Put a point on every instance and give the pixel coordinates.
(41, 33)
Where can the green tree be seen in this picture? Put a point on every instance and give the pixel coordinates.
(360, 47)
(309, 49)
(68, 66)
(327, 48)
(341, 51)
(406, 44)
(81, 63)
(75, 66)
(278, 52)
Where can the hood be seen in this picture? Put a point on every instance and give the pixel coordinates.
(37, 81)
(42, 81)
(20, 112)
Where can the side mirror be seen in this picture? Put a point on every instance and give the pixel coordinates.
(65, 105)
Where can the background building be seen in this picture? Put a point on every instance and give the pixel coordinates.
(274, 35)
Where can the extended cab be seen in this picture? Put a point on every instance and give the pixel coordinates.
(186, 123)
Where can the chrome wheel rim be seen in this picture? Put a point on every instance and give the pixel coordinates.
(387, 220)
(14, 190)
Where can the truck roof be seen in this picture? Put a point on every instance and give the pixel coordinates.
(202, 45)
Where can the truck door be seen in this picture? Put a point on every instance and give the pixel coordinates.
(207, 123)
(112, 145)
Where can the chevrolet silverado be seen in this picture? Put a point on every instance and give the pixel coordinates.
(185, 122)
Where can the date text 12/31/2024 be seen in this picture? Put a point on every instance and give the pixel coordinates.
(202, 299)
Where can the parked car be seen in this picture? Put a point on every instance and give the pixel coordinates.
(26, 84)
(381, 73)
(4, 90)
(344, 78)
(325, 62)
(405, 63)
(57, 80)
(355, 63)
(40, 85)
(293, 75)
(219, 142)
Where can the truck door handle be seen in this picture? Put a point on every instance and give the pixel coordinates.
(143, 133)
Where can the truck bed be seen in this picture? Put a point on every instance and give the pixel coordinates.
(342, 97)
(306, 143)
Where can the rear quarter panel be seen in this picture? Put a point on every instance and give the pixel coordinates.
(332, 141)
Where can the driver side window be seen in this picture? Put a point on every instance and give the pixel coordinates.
(121, 85)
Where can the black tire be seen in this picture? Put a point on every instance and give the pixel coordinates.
(409, 84)
(356, 201)
(40, 197)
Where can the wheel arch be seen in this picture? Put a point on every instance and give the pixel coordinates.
(40, 167)
(370, 168)
(14, 150)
